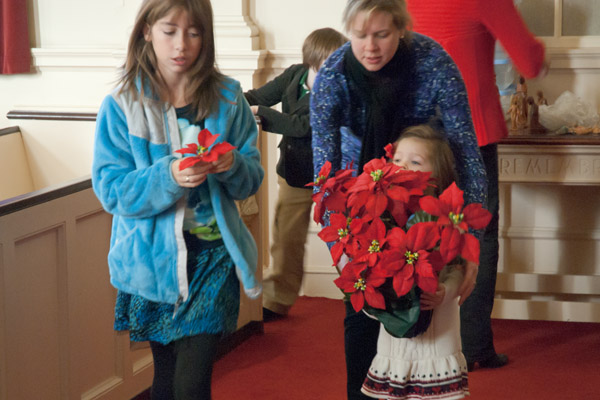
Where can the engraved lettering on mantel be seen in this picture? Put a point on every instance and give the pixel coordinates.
(548, 168)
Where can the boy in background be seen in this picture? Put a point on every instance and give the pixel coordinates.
(282, 280)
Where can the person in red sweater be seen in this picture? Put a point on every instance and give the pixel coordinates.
(468, 29)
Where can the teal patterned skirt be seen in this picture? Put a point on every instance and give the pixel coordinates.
(212, 306)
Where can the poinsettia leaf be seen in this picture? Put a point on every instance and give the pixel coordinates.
(189, 162)
(470, 249)
(396, 238)
(398, 211)
(376, 204)
(403, 282)
(358, 301)
(431, 205)
(450, 244)
(319, 212)
(374, 298)
(191, 148)
(336, 252)
(328, 234)
(356, 201)
(206, 139)
(436, 260)
(209, 156)
(427, 283)
(399, 193)
(338, 221)
(222, 148)
(377, 227)
(453, 196)
(476, 216)
(357, 225)
(344, 284)
(336, 201)
(325, 169)
(423, 235)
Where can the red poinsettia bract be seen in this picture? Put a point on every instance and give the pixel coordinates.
(384, 186)
(394, 236)
(342, 231)
(362, 282)
(412, 260)
(332, 191)
(203, 152)
(455, 221)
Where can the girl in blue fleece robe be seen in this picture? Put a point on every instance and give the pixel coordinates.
(178, 246)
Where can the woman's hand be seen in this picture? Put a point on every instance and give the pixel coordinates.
(429, 301)
(469, 280)
(191, 176)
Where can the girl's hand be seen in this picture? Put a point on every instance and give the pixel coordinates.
(431, 300)
(223, 164)
(191, 176)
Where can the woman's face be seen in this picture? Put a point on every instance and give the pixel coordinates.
(374, 39)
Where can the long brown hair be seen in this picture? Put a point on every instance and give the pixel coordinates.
(204, 79)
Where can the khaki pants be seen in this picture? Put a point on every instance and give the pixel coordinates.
(282, 280)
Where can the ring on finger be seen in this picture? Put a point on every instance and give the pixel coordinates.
(187, 178)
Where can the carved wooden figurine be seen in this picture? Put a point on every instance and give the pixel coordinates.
(534, 117)
(541, 100)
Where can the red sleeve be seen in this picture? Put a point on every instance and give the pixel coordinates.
(504, 22)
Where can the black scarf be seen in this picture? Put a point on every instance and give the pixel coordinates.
(389, 98)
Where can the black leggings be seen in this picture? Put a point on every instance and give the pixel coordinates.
(183, 369)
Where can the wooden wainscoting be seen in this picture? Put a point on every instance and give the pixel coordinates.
(56, 303)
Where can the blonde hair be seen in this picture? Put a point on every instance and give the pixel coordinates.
(204, 79)
(319, 44)
(442, 158)
(395, 8)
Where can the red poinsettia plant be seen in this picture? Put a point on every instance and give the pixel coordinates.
(203, 152)
(395, 238)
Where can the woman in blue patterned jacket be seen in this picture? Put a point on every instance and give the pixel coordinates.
(384, 80)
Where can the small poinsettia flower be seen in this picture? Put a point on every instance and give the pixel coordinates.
(371, 188)
(410, 262)
(385, 186)
(332, 191)
(362, 282)
(337, 231)
(372, 242)
(455, 220)
(204, 151)
(322, 176)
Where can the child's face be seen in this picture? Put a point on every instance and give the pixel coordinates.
(176, 44)
(413, 154)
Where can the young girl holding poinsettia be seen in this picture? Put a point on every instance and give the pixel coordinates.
(405, 247)
(178, 244)
(429, 365)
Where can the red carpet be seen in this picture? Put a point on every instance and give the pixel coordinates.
(301, 357)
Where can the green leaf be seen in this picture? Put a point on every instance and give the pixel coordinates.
(403, 317)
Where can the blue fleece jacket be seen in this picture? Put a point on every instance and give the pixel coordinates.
(131, 175)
